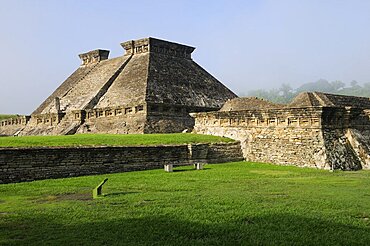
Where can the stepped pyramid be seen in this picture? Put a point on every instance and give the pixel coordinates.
(152, 88)
(315, 99)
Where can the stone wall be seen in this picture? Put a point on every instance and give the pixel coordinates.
(52, 124)
(270, 136)
(219, 153)
(27, 164)
(319, 137)
(12, 126)
(126, 119)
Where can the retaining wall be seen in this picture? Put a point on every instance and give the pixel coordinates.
(28, 164)
(317, 137)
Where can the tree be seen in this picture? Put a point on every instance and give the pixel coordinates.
(354, 83)
(320, 85)
(337, 85)
(286, 93)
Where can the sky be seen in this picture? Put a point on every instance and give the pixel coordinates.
(247, 45)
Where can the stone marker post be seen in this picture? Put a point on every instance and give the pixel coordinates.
(98, 189)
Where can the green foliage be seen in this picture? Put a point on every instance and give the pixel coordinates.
(282, 95)
(8, 116)
(285, 93)
(225, 204)
(109, 140)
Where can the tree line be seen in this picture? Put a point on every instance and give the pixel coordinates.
(285, 93)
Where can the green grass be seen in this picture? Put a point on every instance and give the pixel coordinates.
(232, 204)
(109, 140)
(8, 116)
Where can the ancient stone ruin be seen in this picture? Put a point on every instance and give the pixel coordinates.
(315, 130)
(152, 88)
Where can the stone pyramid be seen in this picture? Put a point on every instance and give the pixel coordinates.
(152, 88)
(316, 99)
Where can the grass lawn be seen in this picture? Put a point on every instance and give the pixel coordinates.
(226, 204)
(109, 140)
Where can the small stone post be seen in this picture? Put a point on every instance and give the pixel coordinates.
(168, 168)
(198, 166)
(98, 189)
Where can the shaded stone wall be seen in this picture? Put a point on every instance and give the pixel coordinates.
(168, 124)
(360, 142)
(168, 118)
(179, 81)
(219, 153)
(27, 164)
(317, 137)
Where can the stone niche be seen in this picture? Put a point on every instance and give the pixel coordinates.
(93, 56)
(157, 46)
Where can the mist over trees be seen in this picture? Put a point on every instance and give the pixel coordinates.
(285, 93)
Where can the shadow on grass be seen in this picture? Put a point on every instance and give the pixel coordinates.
(120, 193)
(278, 229)
(192, 170)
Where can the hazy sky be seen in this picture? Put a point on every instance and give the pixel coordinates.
(247, 45)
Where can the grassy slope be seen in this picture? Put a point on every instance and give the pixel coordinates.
(7, 116)
(234, 204)
(108, 140)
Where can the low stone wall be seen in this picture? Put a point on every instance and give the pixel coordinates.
(27, 164)
(218, 153)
